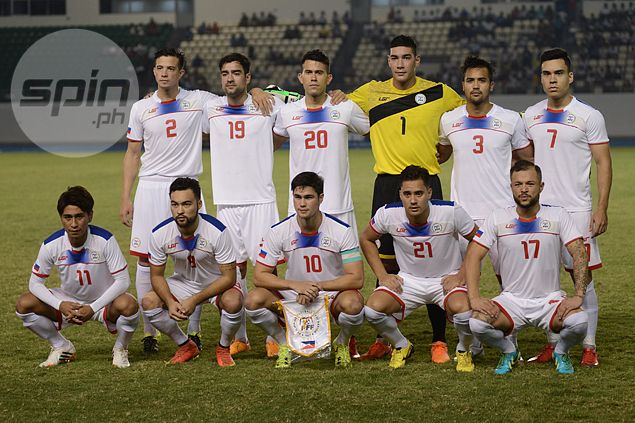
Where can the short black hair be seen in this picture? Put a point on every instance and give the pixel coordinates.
(473, 62)
(404, 41)
(76, 196)
(414, 173)
(171, 52)
(555, 54)
(235, 57)
(521, 165)
(182, 184)
(308, 179)
(317, 55)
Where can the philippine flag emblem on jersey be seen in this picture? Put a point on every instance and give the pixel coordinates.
(262, 254)
(308, 345)
(129, 129)
(478, 233)
(36, 267)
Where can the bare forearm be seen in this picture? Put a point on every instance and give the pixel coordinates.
(369, 248)
(161, 288)
(604, 181)
(131, 162)
(580, 267)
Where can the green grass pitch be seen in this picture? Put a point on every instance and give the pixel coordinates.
(91, 390)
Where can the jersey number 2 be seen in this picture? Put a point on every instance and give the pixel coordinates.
(170, 128)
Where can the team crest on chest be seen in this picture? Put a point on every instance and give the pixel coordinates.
(545, 225)
(420, 98)
(570, 118)
(335, 115)
(185, 104)
(202, 243)
(326, 242)
(436, 228)
(94, 256)
(496, 124)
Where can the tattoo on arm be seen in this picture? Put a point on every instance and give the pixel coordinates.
(580, 266)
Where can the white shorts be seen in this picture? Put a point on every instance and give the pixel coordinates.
(583, 221)
(181, 290)
(493, 251)
(151, 207)
(524, 312)
(247, 225)
(417, 292)
(99, 315)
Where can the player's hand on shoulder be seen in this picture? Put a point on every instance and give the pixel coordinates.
(392, 282)
(263, 101)
(484, 306)
(599, 223)
(450, 282)
(126, 212)
(337, 97)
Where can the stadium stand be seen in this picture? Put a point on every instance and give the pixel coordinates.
(139, 41)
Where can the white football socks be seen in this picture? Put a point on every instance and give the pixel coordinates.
(386, 326)
(126, 325)
(194, 321)
(229, 324)
(489, 335)
(349, 323)
(462, 326)
(143, 285)
(267, 320)
(574, 327)
(161, 320)
(590, 305)
(43, 327)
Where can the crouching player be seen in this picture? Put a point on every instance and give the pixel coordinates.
(425, 234)
(322, 255)
(204, 269)
(94, 279)
(530, 238)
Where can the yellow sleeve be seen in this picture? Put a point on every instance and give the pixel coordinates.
(453, 100)
(360, 97)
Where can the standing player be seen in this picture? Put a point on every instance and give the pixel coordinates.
(169, 124)
(568, 135)
(323, 259)
(425, 234)
(485, 139)
(530, 239)
(94, 279)
(241, 144)
(318, 136)
(404, 129)
(204, 268)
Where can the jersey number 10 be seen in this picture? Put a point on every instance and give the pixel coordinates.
(313, 264)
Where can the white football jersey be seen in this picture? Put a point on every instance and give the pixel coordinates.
(314, 257)
(241, 147)
(171, 133)
(529, 250)
(561, 149)
(430, 250)
(87, 273)
(196, 259)
(318, 141)
(482, 148)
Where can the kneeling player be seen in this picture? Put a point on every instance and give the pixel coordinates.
(322, 255)
(94, 279)
(529, 238)
(204, 270)
(427, 250)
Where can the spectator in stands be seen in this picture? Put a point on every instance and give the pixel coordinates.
(311, 20)
(244, 20)
(303, 19)
(321, 20)
(215, 29)
(324, 32)
(152, 27)
(335, 18)
(197, 62)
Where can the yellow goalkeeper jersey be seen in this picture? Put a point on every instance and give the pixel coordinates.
(404, 124)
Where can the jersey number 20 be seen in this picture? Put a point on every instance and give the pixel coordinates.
(316, 139)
